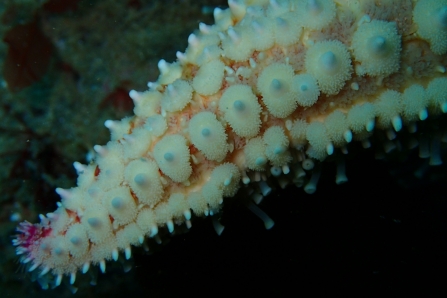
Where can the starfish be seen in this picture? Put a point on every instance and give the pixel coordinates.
(261, 99)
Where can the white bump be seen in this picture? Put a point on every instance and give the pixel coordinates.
(152, 85)
(252, 63)
(102, 266)
(328, 60)
(44, 271)
(370, 125)
(72, 278)
(204, 28)
(397, 123)
(134, 95)
(355, 86)
(187, 214)
(348, 136)
(127, 252)
(129, 138)
(229, 70)
(117, 203)
(32, 268)
(365, 19)
(233, 35)
(27, 260)
(85, 267)
(109, 123)
(141, 179)
(217, 13)
(170, 225)
(154, 231)
(168, 156)
(330, 149)
(58, 280)
(180, 56)
(440, 69)
(444, 107)
(228, 180)
(423, 114)
(260, 161)
(42, 218)
(163, 65)
(79, 167)
(94, 222)
(63, 193)
(115, 254)
(100, 150)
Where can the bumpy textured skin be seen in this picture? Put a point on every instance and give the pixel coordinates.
(150, 175)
